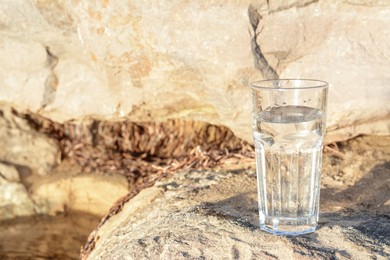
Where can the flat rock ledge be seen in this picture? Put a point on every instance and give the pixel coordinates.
(213, 215)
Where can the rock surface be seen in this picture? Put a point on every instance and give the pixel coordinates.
(68, 188)
(25, 147)
(213, 215)
(14, 197)
(71, 59)
(34, 180)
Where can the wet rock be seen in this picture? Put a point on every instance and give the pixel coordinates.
(45, 237)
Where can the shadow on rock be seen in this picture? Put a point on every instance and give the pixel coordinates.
(370, 194)
(362, 218)
(240, 209)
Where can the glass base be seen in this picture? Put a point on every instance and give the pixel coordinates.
(288, 226)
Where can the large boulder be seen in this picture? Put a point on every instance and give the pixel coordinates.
(154, 60)
(213, 215)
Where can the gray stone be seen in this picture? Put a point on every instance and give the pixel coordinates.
(213, 215)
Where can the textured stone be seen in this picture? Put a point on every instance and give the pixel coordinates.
(22, 145)
(14, 198)
(68, 188)
(346, 52)
(65, 189)
(71, 59)
(8, 173)
(213, 215)
(33, 180)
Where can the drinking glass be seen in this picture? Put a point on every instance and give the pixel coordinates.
(289, 117)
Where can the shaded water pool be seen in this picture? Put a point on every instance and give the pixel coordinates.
(46, 237)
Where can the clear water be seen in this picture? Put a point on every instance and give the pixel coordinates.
(288, 143)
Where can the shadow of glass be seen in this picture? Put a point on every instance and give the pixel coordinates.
(241, 209)
(370, 194)
(363, 216)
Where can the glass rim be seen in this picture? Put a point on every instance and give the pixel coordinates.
(314, 84)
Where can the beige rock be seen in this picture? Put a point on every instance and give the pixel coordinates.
(69, 189)
(15, 201)
(65, 189)
(14, 198)
(8, 173)
(24, 146)
(347, 52)
(70, 59)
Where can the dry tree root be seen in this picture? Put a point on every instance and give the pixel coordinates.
(138, 149)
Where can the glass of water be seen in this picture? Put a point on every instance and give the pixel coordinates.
(289, 118)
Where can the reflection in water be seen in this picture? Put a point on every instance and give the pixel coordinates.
(46, 237)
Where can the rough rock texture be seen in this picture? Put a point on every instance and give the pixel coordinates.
(213, 215)
(69, 59)
(21, 145)
(33, 180)
(14, 197)
(68, 188)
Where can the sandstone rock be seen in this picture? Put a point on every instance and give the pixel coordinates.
(68, 188)
(213, 215)
(24, 146)
(34, 181)
(14, 197)
(65, 189)
(15, 201)
(346, 52)
(8, 173)
(71, 59)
